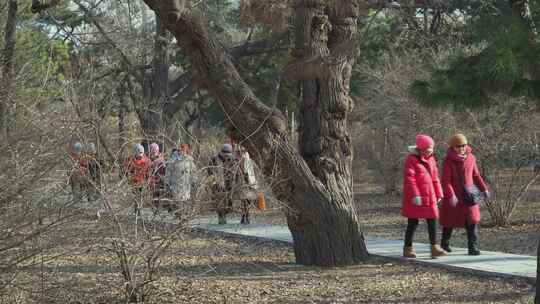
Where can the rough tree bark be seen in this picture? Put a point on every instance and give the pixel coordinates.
(8, 103)
(326, 230)
(324, 139)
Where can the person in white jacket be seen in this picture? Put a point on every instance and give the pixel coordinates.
(249, 187)
(180, 177)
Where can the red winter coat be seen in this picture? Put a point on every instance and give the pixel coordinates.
(157, 176)
(457, 216)
(79, 167)
(420, 178)
(137, 170)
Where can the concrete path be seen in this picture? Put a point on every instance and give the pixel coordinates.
(489, 263)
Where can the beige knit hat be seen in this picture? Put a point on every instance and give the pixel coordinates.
(458, 140)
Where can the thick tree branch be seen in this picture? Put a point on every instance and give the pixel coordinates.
(179, 100)
(262, 129)
(318, 66)
(268, 45)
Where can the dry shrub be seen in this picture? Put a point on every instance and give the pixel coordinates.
(504, 136)
(505, 140)
(386, 118)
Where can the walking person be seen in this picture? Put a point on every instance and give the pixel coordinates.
(464, 190)
(249, 188)
(94, 170)
(421, 193)
(156, 179)
(137, 170)
(224, 169)
(180, 177)
(78, 174)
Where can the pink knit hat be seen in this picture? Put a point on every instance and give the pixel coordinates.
(154, 149)
(424, 141)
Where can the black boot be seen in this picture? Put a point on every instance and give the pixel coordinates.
(472, 239)
(445, 239)
(243, 219)
(222, 218)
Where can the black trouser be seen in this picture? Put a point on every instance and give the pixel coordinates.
(472, 238)
(411, 228)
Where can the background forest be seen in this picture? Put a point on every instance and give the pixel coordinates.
(109, 72)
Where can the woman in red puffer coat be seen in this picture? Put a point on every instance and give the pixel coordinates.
(460, 171)
(137, 170)
(421, 193)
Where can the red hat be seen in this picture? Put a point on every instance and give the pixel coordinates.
(184, 148)
(424, 141)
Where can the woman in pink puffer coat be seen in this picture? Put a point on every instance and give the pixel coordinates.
(421, 193)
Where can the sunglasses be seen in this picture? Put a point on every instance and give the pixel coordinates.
(461, 146)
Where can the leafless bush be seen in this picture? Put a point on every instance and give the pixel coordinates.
(32, 192)
(505, 138)
(387, 118)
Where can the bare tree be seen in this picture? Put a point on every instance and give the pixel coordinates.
(324, 224)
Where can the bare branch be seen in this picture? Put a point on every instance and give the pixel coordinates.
(102, 31)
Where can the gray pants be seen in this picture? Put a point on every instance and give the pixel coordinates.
(81, 188)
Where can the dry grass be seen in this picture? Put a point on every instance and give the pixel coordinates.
(204, 269)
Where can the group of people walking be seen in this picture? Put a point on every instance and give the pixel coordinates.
(459, 193)
(171, 183)
(233, 177)
(454, 199)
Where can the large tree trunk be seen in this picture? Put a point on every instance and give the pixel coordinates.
(324, 140)
(7, 105)
(325, 229)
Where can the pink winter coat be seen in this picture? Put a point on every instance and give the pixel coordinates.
(456, 217)
(420, 178)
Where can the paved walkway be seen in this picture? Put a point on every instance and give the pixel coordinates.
(489, 263)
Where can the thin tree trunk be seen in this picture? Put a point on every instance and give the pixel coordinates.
(7, 105)
(121, 116)
(155, 88)
(325, 230)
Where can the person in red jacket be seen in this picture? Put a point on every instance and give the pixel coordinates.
(78, 175)
(421, 193)
(137, 170)
(460, 172)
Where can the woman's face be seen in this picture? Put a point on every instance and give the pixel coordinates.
(460, 150)
(427, 152)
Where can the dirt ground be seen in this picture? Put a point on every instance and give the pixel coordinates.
(80, 267)
(199, 268)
